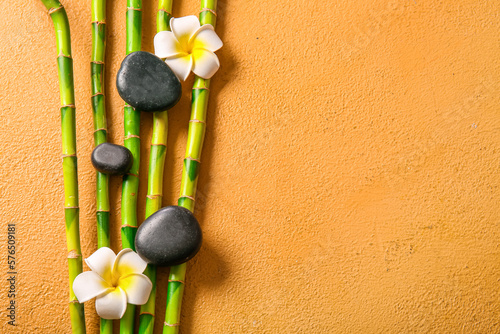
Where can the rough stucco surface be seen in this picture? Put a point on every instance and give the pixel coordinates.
(350, 173)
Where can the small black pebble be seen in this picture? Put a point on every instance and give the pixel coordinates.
(112, 159)
(146, 83)
(169, 237)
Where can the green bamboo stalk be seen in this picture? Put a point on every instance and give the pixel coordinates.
(132, 140)
(98, 17)
(70, 172)
(155, 178)
(190, 172)
(130, 186)
(153, 204)
(99, 114)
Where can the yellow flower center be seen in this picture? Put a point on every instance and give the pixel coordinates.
(115, 281)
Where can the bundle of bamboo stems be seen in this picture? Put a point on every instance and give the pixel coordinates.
(191, 166)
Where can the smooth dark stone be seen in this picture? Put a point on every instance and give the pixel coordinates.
(146, 83)
(169, 237)
(112, 159)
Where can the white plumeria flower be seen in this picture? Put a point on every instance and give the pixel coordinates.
(115, 280)
(189, 46)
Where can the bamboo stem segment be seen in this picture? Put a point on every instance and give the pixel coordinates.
(130, 186)
(190, 172)
(70, 172)
(155, 177)
(98, 17)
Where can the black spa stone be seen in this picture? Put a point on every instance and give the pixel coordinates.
(169, 237)
(112, 159)
(146, 83)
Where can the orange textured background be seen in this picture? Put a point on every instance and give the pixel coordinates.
(350, 173)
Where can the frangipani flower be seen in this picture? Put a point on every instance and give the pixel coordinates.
(189, 46)
(115, 280)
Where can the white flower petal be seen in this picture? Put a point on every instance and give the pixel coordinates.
(128, 262)
(184, 28)
(101, 262)
(88, 285)
(137, 287)
(112, 305)
(181, 66)
(206, 63)
(166, 45)
(206, 38)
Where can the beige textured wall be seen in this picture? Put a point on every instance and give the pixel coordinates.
(349, 181)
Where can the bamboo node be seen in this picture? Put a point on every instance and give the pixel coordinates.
(208, 10)
(97, 62)
(98, 22)
(136, 175)
(165, 145)
(74, 301)
(73, 254)
(202, 88)
(68, 155)
(132, 8)
(132, 136)
(177, 280)
(96, 94)
(127, 225)
(188, 197)
(154, 196)
(101, 129)
(171, 325)
(193, 159)
(71, 207)
(197, 121)
(68, 106)
(102, 210)
(163, 10)
(53, 10)
(65, 56)
(147, 313)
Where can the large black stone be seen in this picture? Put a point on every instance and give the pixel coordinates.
(169, 237)
(112, 159)
(146, 83)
